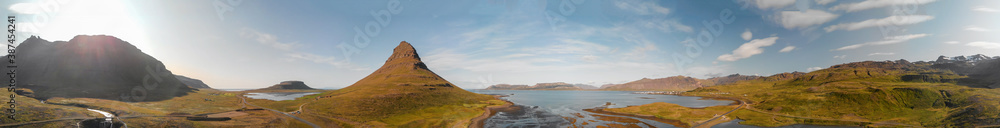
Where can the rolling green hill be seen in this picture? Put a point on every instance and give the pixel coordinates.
(870, 93)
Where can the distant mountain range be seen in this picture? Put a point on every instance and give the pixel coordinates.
(94, 67)
(675, 83)
(542, 86)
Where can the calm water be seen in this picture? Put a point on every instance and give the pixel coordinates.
(547, 108)
(278, 96)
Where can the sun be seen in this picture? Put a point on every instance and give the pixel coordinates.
(67, 19)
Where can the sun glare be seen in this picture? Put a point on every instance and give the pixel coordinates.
(94, 17)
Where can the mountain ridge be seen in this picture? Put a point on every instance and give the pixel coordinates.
(93, 66)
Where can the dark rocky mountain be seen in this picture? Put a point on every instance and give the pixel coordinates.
(191, 82)
(102, 67)
(288, 85)
(542, 86)
(982, 71)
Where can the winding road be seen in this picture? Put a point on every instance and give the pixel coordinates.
(724, 114)
(289, 115)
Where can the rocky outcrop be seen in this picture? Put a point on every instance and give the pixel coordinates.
(288, 85)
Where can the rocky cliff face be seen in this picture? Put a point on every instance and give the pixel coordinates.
(102, 67)
(289, 85)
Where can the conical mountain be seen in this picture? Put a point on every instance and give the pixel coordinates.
(402, 85)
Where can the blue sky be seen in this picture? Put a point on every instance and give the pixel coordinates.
(474, 44)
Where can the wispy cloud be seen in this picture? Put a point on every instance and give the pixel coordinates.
(268, 39)
(770, 4)
(893, 40)
(748, 49)
(891, 20)
(26, 8)
(787, 49)
(747, 35)
(814, 68)
(840, 57)
(803, 19)
(976, 29)
(824, 2)
(290, 50)
(984, 45)
(985, 9)
(870, 4)
(668, 26)
(952, 42)
(881, 54)
(518, 55)
(641, 7)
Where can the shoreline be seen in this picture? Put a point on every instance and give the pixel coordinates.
(490, 111)
(676, 123)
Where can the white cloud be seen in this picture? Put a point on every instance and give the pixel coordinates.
(268, 39)
(787, 49)
(881, 54)
(747, 35)
(985, 9)
(642, 8)
(290, 51)
(813, 69)
(977, 29)
(840, 57)
(870, 4)
(668, 26)
(518, 55)
(824, 2)
(951, 42)
(800, 19)
(891, 20)
(26, 8)
(769, 4)
(590, 58)
(748, 49)
(985, 45)
(892, 40)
